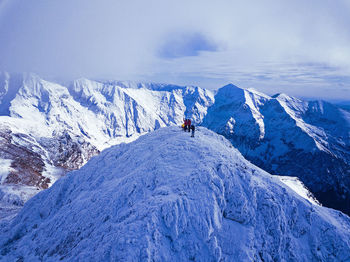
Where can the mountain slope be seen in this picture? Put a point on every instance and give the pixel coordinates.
(170, 197)
(58, 128)
(288, 136)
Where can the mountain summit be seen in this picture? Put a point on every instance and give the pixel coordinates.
(170, 197)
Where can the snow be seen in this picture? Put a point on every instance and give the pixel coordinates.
(253, 102)
(295, 108)
(346, 115)
(5, 169)
(298, 187)
(236, 112)
(53, 173)
(95, 115)
(16, 195)
(170, 197)
(12, 199)
(285, 135)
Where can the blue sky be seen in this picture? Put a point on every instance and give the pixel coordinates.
(299, 47)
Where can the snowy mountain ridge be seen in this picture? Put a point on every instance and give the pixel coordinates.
(170, 197)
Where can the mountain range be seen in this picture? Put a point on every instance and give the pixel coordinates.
(48, 129)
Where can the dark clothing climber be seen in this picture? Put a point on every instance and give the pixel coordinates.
(188, 125)
(193, 129)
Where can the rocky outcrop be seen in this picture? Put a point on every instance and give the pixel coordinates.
(27, 166)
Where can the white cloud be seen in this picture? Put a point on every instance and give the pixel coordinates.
(267, 44)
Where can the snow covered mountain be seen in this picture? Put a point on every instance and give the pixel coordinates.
(47, 129)
(170, 197)
(57, 128)
(287, 136)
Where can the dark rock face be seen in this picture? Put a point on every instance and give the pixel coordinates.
(68, 152)
(27, 165)
(30, 158)
(326, 176)
(34, 164)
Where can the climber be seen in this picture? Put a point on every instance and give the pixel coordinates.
(192, 128)
(184, 125)
(188, 125)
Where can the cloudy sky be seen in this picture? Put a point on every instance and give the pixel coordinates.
(300, 47)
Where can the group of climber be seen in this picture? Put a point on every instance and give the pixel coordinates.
(187, 126)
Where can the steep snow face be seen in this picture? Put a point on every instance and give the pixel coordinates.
(288, 136)
(47, 129)
(236, 112)
(139, 108)
(170, 197)
(296, 185)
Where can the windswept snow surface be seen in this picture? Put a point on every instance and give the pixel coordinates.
(297, 186)
(170, 197)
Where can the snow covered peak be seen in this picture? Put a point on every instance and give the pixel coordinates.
(273, 132)
(99, 111)
(145, 85)
(232, 91)
(229, 92)
(234, 110)
(170, 197)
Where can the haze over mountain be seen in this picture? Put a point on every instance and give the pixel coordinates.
(171, 197)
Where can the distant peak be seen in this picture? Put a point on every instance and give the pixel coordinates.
(230, 85)
(83, 80)
(32, 76)
(232, 90)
